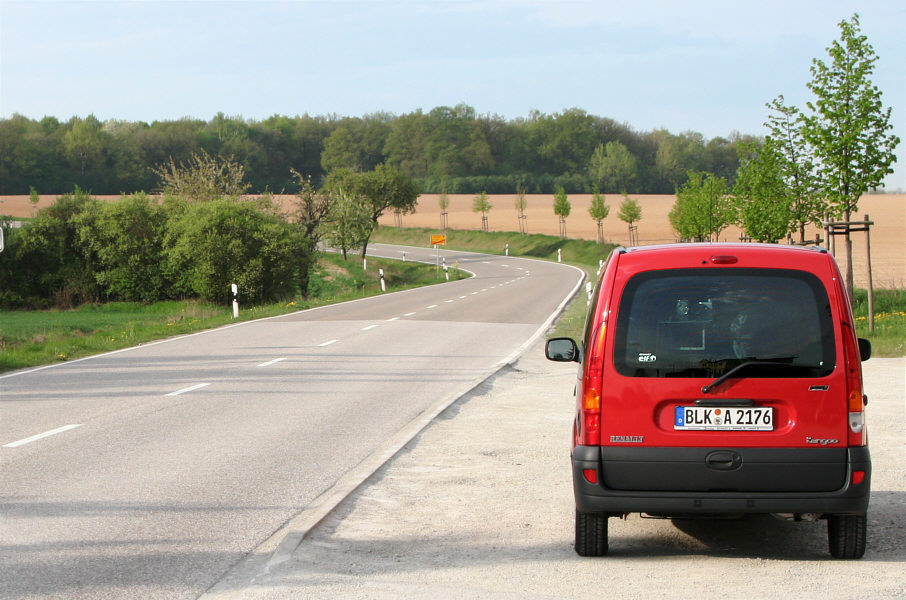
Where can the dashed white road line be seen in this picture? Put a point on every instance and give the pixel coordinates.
(409, 314)
(370, 327)
(327, 343)
(432, 306)
(41, 436)
(188, 389)
(271, 362)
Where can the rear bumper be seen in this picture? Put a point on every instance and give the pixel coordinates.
(599, 498)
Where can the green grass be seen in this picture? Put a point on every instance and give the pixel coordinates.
(889, 336)
(33, 338)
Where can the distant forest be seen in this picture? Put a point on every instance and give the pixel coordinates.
(451, 149)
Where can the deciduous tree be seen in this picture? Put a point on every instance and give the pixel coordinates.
(481, 204)
(203, 178)
(599, 211)
(849, 128)
(703, 208)
(562, 208)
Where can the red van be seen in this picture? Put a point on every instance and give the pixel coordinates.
(715, 380)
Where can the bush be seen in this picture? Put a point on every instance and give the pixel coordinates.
(214, 244)
(124, 239)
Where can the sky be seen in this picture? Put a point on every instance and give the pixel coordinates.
(708, 66)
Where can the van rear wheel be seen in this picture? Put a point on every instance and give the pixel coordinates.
(591, 534)
(846, 534)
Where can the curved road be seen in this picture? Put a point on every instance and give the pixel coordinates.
(152, 471)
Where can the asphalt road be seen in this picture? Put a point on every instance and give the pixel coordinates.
(150, 472)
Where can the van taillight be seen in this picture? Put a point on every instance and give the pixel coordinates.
(591, 417)
(591, 391)
(854, 397)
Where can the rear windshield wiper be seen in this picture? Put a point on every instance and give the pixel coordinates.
(774, 362)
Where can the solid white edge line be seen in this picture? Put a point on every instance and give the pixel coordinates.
(188, 389)
(271, 362)
(41, 436)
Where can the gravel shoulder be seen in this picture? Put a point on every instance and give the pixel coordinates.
(479, 505)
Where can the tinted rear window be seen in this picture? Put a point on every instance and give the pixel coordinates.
(702, 323)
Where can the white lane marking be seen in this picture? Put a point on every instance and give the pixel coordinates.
(462, 297)
(188, 389)
(392, 319)
(41, 436)
(447, 301)
(271, 362)
(432, 306)
(328, 343)
(370, 327)
(408, 314)
(474, 293)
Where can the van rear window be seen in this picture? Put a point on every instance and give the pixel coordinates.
(702, 323)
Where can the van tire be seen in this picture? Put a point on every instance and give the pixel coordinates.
(846, 534)
(591, 534)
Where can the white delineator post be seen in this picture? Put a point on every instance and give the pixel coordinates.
(383, 284)
(235, 291)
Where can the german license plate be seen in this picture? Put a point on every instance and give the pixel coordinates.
(730, 418)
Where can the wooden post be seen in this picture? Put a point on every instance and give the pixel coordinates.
(871, 290)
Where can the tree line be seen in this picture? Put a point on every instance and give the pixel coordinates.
(452, 149)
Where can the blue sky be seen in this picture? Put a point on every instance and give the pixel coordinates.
(699, 65)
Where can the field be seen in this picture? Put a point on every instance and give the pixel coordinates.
(887, 211)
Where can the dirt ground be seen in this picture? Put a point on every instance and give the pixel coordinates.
(887, 211)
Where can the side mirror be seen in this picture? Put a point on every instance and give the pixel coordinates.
(561, 350)
(864, 349)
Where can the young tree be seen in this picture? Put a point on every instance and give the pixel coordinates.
(630, 211)
(348, 225)
(761, 195)
(521, 204)
(203, 178)
(795, 166)
(312, 208)
(481, 204)
(34, 198)
(598, 211)
(443, 201)
(849, 129)
(703, 209)
(562, 208)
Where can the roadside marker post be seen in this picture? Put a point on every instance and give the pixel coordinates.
(383, 285)
(235, 291)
